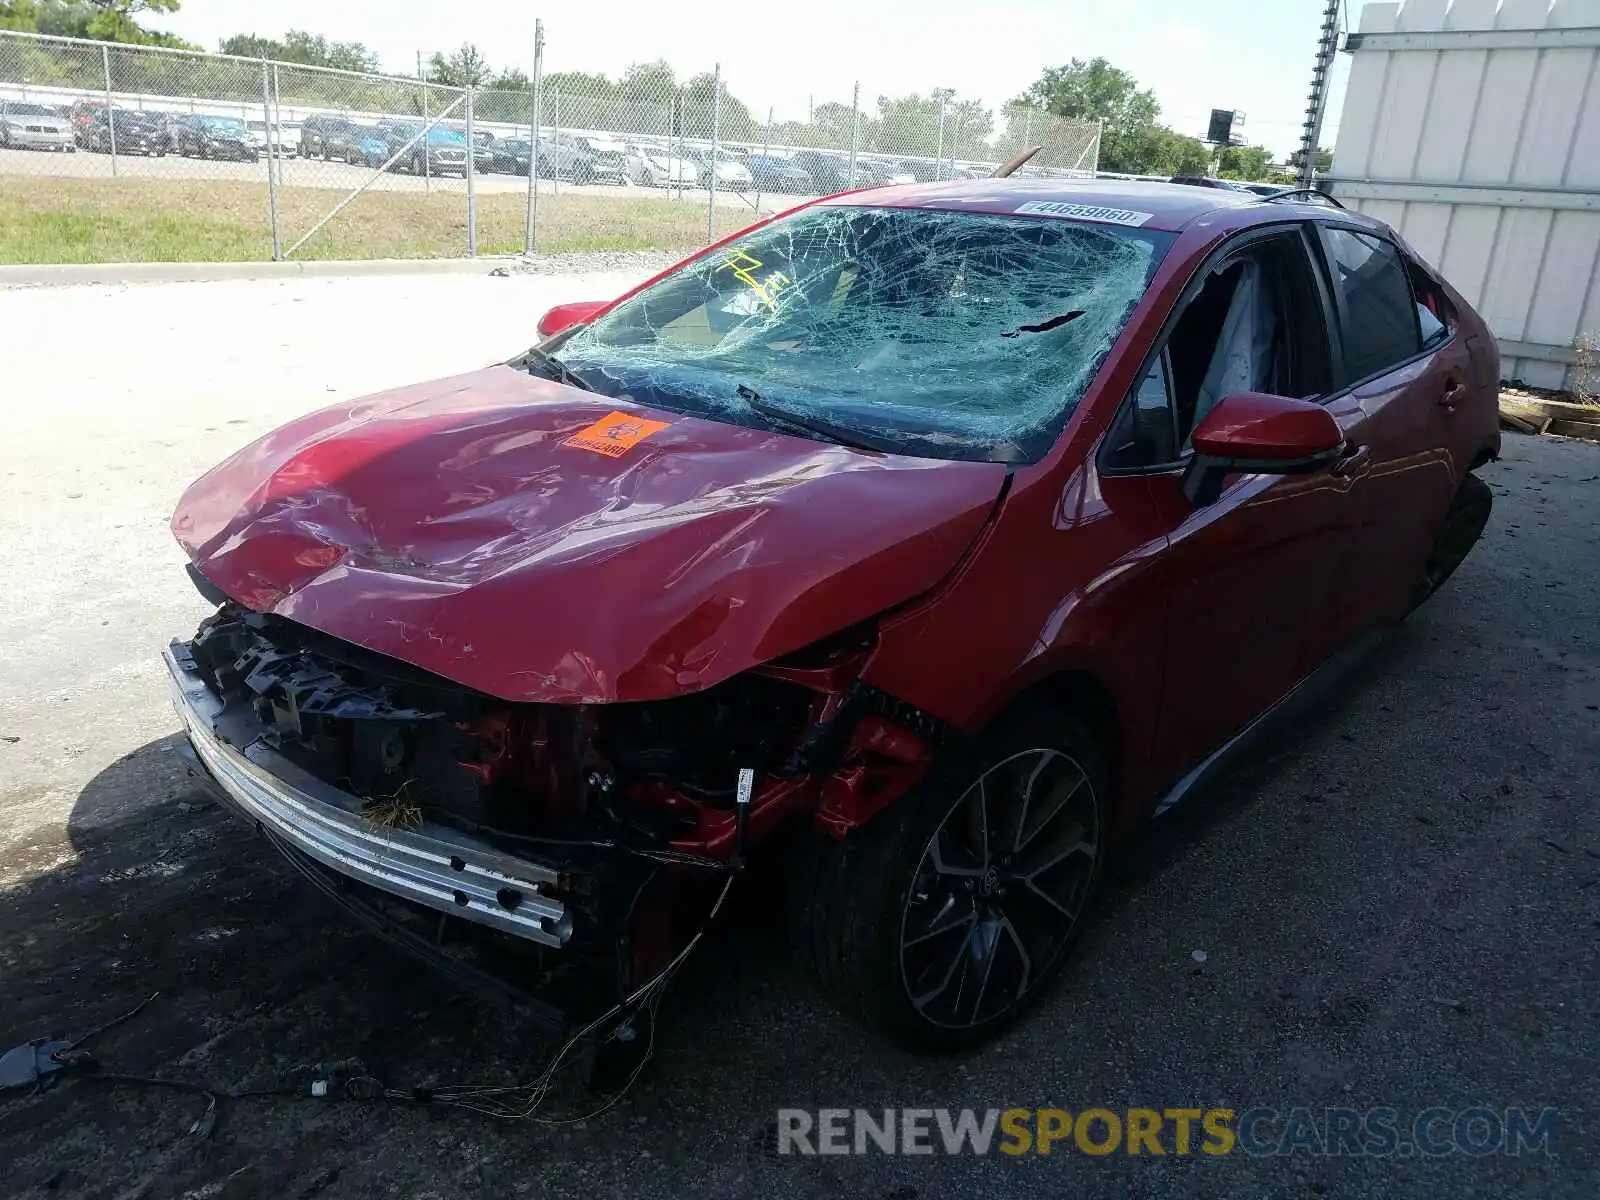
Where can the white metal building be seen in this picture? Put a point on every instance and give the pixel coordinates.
(1473, 127)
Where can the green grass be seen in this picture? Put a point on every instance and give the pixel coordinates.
(65, 220)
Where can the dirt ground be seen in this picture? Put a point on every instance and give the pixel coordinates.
(1400, 907)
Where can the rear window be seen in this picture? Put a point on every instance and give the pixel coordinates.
(28, 110)
(1377, 311)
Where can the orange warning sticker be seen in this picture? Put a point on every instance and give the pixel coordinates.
(615, 434)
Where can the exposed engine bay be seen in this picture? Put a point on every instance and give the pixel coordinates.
(630, 808)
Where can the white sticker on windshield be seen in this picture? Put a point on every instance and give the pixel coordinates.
(1085, 212)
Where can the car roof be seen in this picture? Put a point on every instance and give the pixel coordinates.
(1165, 206)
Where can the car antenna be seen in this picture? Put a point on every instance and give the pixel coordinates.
(1012, 165)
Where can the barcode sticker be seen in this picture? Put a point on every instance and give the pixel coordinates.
(1085, 212)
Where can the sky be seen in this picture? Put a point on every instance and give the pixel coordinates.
(1254, 56)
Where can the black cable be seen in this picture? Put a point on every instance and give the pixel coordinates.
(113, 1023)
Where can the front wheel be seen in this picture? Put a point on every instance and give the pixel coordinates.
(946, 918)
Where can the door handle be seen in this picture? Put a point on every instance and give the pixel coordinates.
(1453, 394)
(1354, 462)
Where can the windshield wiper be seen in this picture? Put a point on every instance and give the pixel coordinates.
(803, 422)
(554, 368)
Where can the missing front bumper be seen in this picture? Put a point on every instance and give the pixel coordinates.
(438, 868)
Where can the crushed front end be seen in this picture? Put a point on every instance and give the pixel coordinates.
(561, 851)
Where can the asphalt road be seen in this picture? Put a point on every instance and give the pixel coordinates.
(1399, 908)
(342, 177)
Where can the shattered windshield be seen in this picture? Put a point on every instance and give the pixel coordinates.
(948, 334)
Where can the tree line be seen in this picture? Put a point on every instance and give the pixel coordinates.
(100, 20)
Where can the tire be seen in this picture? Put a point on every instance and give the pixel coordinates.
(852, 905)
(1464, 523)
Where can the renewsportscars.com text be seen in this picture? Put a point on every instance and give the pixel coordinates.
(1259, 1132)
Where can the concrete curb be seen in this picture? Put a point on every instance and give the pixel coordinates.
(81, 274)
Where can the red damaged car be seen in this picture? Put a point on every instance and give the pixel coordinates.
(939, 534)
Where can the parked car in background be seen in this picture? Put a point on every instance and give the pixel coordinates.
(1206, 181)
(373, 147)
(1267, 189)
(606, 161)
(831, 171)
(657, 166)
(79, 115)
(34, 127)
(925, 170)
(164, 122)
(730, 173)
(888, 171)
(282, 140)
(128, 131)
(483, 142)
(512, 156)
(562, 158)
(772, 173)
(504, 156)
(322, 133)
(944, 638)
(343, 143)
(204, 136)
(441, 151)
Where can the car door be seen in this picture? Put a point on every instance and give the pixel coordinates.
(1397, 386)
(1248, 577)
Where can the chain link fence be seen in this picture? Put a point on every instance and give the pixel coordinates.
(116, 153)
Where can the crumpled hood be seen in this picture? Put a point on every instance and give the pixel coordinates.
(451, 526)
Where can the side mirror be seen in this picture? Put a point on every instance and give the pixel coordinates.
(565, 316)
(1258, 434)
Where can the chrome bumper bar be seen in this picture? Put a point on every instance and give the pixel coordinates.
(432, 866)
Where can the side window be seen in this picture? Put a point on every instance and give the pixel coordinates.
(1377, 311)
(1255, 325)
(1435, 315)
(1147, 430)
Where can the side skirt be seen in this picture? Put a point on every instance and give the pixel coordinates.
(1298, 701)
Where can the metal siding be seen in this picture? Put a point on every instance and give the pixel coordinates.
(1426, 227)
(1508, 118)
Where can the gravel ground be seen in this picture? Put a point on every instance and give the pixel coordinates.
(1400, 908)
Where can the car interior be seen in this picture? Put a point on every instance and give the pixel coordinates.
(1254, 325)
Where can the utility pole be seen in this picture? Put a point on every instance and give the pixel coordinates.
(531, 224)
(1317, 101)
